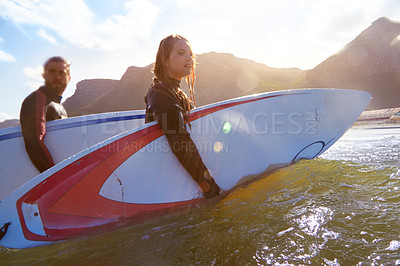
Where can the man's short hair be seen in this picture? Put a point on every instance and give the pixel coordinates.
(57, 59)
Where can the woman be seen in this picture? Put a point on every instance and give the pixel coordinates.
(167, 104)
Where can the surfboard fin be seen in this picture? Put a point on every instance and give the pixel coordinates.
(4, 229)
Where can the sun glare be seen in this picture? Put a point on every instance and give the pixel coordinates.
(396, 41)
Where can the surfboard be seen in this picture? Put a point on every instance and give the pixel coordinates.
(134, 176)
(64, 138)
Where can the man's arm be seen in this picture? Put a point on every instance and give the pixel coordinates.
(33, 127)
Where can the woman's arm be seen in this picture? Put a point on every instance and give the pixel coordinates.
(172, 124)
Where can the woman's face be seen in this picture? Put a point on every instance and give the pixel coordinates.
(180, 61)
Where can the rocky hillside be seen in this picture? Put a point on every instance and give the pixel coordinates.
(371, 62)
(9, 123)
(219, 77)
(87, 94)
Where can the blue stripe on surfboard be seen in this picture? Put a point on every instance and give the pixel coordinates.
(103, 120)
(77, 124)
(10, 136)
(92, 122)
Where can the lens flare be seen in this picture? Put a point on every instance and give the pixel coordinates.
(218, 146)
(227, 127)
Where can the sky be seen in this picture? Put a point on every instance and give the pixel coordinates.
(103, 38)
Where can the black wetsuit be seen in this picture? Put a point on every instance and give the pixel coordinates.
(40, 106)
(165, 104)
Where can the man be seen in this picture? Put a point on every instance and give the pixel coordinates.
(44, 105)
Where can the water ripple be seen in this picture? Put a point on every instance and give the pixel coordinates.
(340, 209)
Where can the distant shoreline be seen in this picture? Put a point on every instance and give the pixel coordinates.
(380, 116)
(377, 124)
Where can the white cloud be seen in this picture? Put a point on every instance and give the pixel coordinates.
(281, 33)
(333, 21)
(331, 24)
(121, 31)
(191, 4)
(34, 72)
(35, 77)
(33, 85)
(42, 33)
(76, 23)
(4, 116)
(6, 57)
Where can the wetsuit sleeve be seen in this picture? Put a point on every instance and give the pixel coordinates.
(169, 116)
(33, 127)
(183, 146)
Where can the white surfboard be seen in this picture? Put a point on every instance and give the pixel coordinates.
(133, 176)
(64, 138)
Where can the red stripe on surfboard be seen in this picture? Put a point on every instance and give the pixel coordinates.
(73, 191)
(214, 109)
(64, 187)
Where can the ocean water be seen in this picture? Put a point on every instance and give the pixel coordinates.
(342, 208)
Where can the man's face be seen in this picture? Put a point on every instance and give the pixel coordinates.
(56, 77)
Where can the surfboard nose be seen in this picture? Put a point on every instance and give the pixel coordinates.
(357, 102)
(347, 105)
(364, 98)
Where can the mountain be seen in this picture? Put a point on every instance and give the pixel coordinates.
(219, 76)
(371, 62)
(9, 123)
(87, 94)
